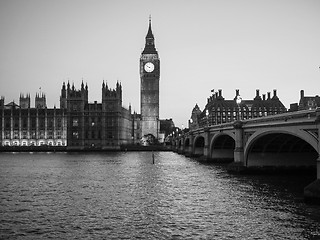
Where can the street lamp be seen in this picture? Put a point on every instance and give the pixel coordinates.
(238, 101)
(207, 116)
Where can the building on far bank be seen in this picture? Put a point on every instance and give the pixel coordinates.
(80, 125)
(305, 102)
(218, 110)
(22, 125)
(104, 125)
(308, 102)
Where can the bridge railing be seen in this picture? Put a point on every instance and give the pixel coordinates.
(307, 115)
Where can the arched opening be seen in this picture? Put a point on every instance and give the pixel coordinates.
(187, 143)
(281, 150)
(222, 149)
(199, 146)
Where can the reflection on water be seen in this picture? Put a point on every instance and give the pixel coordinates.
(125, 196)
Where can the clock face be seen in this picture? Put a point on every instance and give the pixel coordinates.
(149, 67)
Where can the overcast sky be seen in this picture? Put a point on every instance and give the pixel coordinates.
(203, 45)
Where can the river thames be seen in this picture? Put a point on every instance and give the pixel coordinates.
(124, 195)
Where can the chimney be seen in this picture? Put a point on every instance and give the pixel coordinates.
(257, 93)
(269, 95)
(220, 92)
(302, 94)
(237, 92)
(263, 97)
(274, 92)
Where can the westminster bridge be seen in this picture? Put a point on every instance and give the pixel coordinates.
(287, 140)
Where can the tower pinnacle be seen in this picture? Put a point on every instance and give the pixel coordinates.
(149, 46)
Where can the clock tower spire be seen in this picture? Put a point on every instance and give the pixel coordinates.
(149, 86)
(149, 46)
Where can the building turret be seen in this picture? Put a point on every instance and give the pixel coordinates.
(112, 98)
(63, 96)
(195, 115)
(1, 102)
(77, 99)
(40, 100)
(24, 101)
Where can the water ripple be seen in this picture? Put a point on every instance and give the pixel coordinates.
(125, 196)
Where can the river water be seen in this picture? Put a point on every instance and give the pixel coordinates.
(125, 196)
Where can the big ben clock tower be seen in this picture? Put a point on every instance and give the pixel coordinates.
(149, 86)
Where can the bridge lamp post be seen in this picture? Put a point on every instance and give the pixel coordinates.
(238, 101)
(207, 116)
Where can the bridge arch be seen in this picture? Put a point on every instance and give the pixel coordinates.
(281, 148)
(199, 143)
(187, 142)
(222, 147)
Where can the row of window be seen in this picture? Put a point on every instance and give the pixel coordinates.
(33, 123)
(32, 135)
(226, 117)
(242, 113)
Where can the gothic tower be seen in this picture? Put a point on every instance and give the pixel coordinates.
(149, 86)
(24, 101)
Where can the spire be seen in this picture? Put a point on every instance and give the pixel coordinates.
(149, 46)
(149, 34)
(82, 84)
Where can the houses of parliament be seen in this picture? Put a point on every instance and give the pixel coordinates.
(78, 124)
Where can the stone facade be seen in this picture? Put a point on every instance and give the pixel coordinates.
(105, 125)
(308, 102)
(26, 126)
(218, 110)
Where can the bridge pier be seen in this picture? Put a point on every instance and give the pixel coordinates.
(206, 150)
(238, 166)
(312, 191)
(188, 151)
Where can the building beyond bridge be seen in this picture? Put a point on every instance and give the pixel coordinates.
(218, 110)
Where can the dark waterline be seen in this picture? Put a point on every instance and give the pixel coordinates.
(124, 196)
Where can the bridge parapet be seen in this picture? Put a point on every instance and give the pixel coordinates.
(310, 116)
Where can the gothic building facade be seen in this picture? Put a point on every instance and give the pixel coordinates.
(78, 124)
(22, 125)
(104, 125)
(218, 110)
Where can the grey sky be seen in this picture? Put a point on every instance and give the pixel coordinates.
(203, 45)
